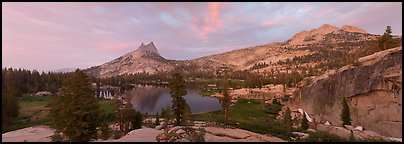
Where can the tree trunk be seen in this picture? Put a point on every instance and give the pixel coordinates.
(225, 114)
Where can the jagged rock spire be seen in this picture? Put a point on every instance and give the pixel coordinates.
(150, 48)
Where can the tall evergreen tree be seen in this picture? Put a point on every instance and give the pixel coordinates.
(137, 120)
(177, 91)
(387, 41)
(226, 100)
(287, 121)
(76, 112)
(345, 116)
(157, 119)
(10, 96)
(305, 122)
(166, 114)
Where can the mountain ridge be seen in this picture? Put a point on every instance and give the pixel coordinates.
(146, 58)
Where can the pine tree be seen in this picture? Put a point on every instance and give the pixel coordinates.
(305, 122)
(387, 41)
(226, 100)
(157, 119)
(76, 112)
(166, 114)
(345, 116)
(10, 96)
(287, 121)
(186, 117)
(177, 91)
(118, 113)
(137, 120)
(388, 31)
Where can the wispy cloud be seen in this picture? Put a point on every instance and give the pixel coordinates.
(49, 36)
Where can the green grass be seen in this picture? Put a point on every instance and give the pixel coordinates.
(108, 106)
(208, 92)
(249, 115)
(33, 112)
(236, 83)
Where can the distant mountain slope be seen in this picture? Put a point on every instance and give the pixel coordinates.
(307, 48)
(64, 70)
(145, 59)
(300, 45)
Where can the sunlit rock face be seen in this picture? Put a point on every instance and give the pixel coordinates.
(373, 90)
(145, 59)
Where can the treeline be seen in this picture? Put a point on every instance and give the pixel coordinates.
(16, 82)
(32, 82)
(289, 79)
(9, 97)
(259, 66)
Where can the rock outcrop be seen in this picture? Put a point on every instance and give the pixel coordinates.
(149, 48)
(373, 90)
(38, 133)
(267, 92)
(353, 29)
(146, 59)
(317, 35)
(204, 132)
(139, 135)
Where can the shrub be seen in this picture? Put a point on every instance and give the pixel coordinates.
(323, 136)
(285, 98)
(137, 120)
(117, 134)
(56, 137)
(273, 109)
(105, 132)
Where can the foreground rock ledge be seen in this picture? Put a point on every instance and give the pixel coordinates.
(38, 133)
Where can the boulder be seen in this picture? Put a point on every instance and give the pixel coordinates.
(159, 127)
(233, 133)
(180, 131)
(342, 132)
(311, 130)
(349, 127)
(43, 93)
(300, 135)
(359, 128)
(213, 138)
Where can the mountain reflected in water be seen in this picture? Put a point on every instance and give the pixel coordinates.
(151, 99)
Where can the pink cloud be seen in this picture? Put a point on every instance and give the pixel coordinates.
(211, 21)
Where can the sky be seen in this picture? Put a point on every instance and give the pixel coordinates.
(50, 36)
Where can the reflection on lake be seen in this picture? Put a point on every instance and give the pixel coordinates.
(150, 99)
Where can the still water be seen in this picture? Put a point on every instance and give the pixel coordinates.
(150, 99)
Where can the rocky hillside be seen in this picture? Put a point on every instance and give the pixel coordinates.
(373, 89)
(145, 59)
(323, 48)
(319, 34)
